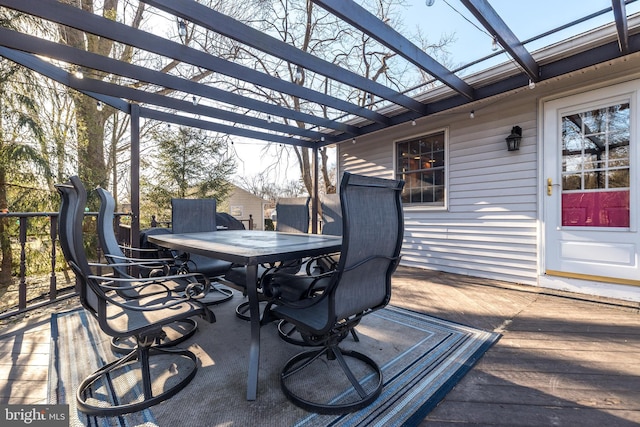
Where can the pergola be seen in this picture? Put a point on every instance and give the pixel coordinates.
(307, 130)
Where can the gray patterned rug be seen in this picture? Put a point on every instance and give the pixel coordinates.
(421, 357)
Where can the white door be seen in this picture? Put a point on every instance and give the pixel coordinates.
(591, 188)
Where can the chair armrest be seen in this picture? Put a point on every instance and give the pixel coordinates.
(139, 250)
(322, 263)
(197, 285)
(147, 304)
(141, 260)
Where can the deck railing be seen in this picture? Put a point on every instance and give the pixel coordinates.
(32, 293)
(29, 295)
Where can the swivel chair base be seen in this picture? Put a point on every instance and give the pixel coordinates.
(178, 366)
(326, 392)
(218, 293)
(242, 310)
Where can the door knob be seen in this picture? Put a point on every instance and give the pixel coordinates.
(549, 186)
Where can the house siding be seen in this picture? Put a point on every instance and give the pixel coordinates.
(489, 227)
(250, 204)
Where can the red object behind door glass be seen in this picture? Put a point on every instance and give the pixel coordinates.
(596, 209)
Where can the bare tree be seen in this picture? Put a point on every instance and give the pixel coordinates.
(310, 28)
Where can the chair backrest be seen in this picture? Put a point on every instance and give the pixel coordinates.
(193, 215)
(68, 202)
(293, 215)
(331, 215)
(71, 215)
(373, 227)
(106, 234)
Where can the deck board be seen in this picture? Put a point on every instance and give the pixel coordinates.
(563, 359)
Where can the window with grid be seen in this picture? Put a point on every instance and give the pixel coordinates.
(420, 162)
(596, 167)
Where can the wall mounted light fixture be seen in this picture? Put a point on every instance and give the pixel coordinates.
(513, 140)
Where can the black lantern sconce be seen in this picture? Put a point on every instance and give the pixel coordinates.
(513, 140)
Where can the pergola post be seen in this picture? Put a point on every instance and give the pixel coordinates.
(135, 175)
(314, 201)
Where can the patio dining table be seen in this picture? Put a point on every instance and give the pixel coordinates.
(251, 248)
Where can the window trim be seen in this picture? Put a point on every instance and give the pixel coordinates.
(425, 206)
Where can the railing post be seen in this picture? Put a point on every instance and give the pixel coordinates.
(22, 287)
(53, 233)
(250, 222)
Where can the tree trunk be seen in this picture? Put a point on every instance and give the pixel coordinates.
(92, 168)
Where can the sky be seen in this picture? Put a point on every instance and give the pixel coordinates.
(525, 18)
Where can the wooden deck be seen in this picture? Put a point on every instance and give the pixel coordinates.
(563, 360)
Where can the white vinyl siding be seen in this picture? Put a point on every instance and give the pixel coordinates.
(249, 204)
(489, 228)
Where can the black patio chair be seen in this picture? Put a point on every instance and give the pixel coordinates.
(150, 261)
(321, 380)
(124, 266)
(199, 215)
(293, 217)
(331, 226)
(142, 317)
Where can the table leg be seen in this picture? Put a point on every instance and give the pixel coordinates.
(254, 351)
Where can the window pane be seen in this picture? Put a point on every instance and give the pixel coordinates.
(439, 178)
(438, 159)
(593, 180)
(416, 196)
(572, 182)
(618, 178)
(594, 144)
(572, 163)
(438, 194)
(594, 121)
(420, 162)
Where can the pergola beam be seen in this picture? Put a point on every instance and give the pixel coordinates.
(32, 44)
(488, 17)
(74, 17)
(217, 127)
(314, 131)
(229, 27)
(620, 15)
(61, 76)
(360, 18)
(92, 87)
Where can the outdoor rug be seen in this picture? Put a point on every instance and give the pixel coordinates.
(422, 358)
